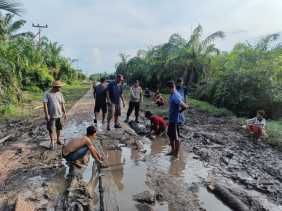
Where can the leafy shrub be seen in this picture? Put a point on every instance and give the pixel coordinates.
(243, 92)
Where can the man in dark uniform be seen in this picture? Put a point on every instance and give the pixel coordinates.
(100, 95)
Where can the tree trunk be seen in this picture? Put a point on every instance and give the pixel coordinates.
(191, 76)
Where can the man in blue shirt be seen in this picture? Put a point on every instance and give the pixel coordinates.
(176, 107)
(183, 92)
(114, 96)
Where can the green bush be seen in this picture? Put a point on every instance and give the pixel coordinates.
(243, 92)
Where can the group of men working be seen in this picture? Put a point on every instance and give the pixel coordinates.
(108, 98)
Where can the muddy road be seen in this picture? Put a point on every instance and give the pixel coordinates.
(215, 153)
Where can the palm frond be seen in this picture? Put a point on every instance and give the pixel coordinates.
(195, 37)
(16, 26)
(264, 43)
(24, 34)
(11, 6)
(211, 38)
(212, 49)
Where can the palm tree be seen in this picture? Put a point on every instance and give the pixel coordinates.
(11, 6)
(197, 53)
(9, 28)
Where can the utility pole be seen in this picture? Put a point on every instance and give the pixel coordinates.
(39, 27)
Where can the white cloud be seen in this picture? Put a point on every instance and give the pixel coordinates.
(96, 31)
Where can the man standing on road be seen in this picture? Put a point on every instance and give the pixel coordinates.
(183, 92)
(176, 107)
(136, 96)
(114, 96)
(54, 109)
(100, 95)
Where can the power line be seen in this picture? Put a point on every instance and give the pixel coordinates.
(39, 27)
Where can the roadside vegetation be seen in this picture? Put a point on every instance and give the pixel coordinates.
(27, 66)
(31, 104)
(242, 81)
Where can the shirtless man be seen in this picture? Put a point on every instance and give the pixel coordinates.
(76, 149)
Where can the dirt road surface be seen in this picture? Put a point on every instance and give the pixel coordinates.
(214, 152)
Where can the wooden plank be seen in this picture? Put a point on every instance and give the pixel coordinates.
(2, 140)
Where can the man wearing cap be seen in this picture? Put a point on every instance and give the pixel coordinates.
(114, 96)
(54, 109)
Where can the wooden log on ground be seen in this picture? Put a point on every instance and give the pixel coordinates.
(2, 140)
(227, 197)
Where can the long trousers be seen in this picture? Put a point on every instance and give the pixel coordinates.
(133, 106)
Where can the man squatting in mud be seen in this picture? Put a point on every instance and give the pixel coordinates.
(76, 150)
(176, 107)
(54, 109)
(158, 124)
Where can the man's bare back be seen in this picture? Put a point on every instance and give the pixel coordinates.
(75, 144)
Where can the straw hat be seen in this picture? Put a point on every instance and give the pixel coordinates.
(57, 83)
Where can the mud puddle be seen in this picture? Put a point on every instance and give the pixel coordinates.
(131, 178)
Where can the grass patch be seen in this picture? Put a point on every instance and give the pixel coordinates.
(274, 131)
(74, 92)
(206, 107)
(32, 101)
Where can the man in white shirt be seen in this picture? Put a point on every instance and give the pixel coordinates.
(136, 96)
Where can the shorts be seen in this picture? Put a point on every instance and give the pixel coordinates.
(54, 124)
(77, 154)
(172, 131)
(114, 109)
(100, 106)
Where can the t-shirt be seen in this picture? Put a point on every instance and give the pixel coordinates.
(54, 102)
(175, 100)
(115, 92)
(158, 121)
(135, 94)
(260, 123)
(182, 91)
(101, 94)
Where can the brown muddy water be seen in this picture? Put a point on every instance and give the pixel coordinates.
(131, 177)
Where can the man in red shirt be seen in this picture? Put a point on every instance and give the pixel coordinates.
(158, 124)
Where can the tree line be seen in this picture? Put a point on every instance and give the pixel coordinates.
(246, 79)
(24, 64)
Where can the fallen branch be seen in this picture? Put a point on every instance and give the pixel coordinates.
(2, 140)
(227, 197)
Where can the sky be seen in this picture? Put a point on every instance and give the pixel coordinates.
(96, 31)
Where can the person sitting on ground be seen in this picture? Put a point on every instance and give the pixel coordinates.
(136, 97)
(256, 125)
(100, 95)
(55, 112)
(158, 99)
(76, 150)
(158, 124)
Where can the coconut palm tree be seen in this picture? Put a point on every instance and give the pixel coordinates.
(11, 6)
(197, 53)
(9, 28)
